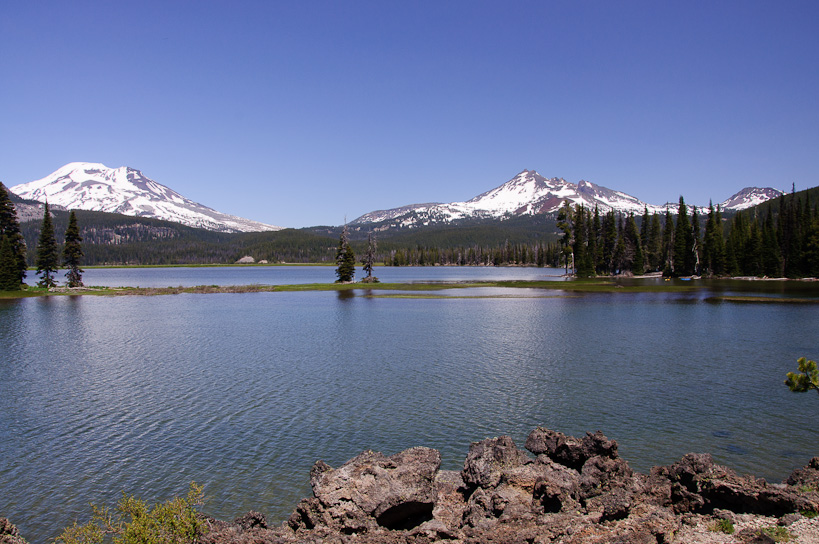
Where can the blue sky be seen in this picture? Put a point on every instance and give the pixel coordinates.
(300, 113)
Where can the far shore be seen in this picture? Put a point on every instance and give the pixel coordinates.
(425, 289)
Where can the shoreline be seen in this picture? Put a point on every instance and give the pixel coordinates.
(563, 490)
(591, 285)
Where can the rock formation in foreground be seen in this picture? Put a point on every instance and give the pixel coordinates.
(575, 490)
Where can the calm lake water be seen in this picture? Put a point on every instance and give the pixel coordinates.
(244, 392)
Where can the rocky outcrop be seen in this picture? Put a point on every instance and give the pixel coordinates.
(9, 533)
(566, 490)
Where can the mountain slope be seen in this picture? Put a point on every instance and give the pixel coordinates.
(750, 197)
(95, 187)
(529, 193)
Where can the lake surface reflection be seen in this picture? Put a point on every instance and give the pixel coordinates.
(243, 392)
(290, 275)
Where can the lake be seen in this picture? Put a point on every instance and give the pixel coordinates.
(244, 392)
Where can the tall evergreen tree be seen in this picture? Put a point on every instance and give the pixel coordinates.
(564, 223)
(645, 224)
(771, 262)
(696, 250)
(654, 254)
(48, 255)
(594, 241)
(753, 251)
(620, 246)
(369, 258)
(583, 261)
(345, 258)
(633, 247)
(9, 280)
(668, 244)
(10, 227)
(683, 243)
(713, 245)
(72, 252)
(609, 242)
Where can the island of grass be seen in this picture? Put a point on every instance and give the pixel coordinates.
(409, 290)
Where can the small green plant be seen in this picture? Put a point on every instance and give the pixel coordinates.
(807, 379)
(778, 534)
(810, 514)
(722, 526)
(134, 522)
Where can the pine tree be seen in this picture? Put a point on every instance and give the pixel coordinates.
(713, 247)
(654, 255)
(72, 252)
(10, 227)
(8, 266)
(345, 259)
(633, 247)
(719, 244)
(620, 247)
(683, 243)
(564, 223)
(696, 250)
(369, 259)
(48, 255)
(584, 266)
(609, 243)
(594, 241)
(668, 244)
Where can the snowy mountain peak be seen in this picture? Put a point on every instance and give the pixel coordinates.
(750, 197)
(94, 186)
(529, 193)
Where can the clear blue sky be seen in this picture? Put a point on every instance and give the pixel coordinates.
(300, 113)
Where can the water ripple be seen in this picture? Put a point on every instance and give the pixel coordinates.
(244, 392)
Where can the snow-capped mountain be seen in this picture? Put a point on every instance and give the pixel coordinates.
(529, 193)
(94, 186)
(750, 197)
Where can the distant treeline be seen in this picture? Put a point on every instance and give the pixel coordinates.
(777, 238)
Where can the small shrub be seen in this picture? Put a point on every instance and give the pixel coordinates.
(779, 534)
(134, 522)
(722, 526)
(810, 514)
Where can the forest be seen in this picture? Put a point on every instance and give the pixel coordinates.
(779, 238)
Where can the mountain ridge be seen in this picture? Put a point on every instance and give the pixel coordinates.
(529, 193)
(125, 190)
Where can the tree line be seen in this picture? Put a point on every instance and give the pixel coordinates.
(779, 239)
(48, 257)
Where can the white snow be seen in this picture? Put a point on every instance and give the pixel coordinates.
(528, 191)
(94, 186)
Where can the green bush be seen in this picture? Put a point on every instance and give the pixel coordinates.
(778, 534)
(806, 379)
(134, 522)
(723, 526)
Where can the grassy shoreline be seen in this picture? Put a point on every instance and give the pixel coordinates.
(414, 290)
(574, 286)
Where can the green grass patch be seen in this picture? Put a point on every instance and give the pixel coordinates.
(722, 526)
(778, 534)
(366, 289)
